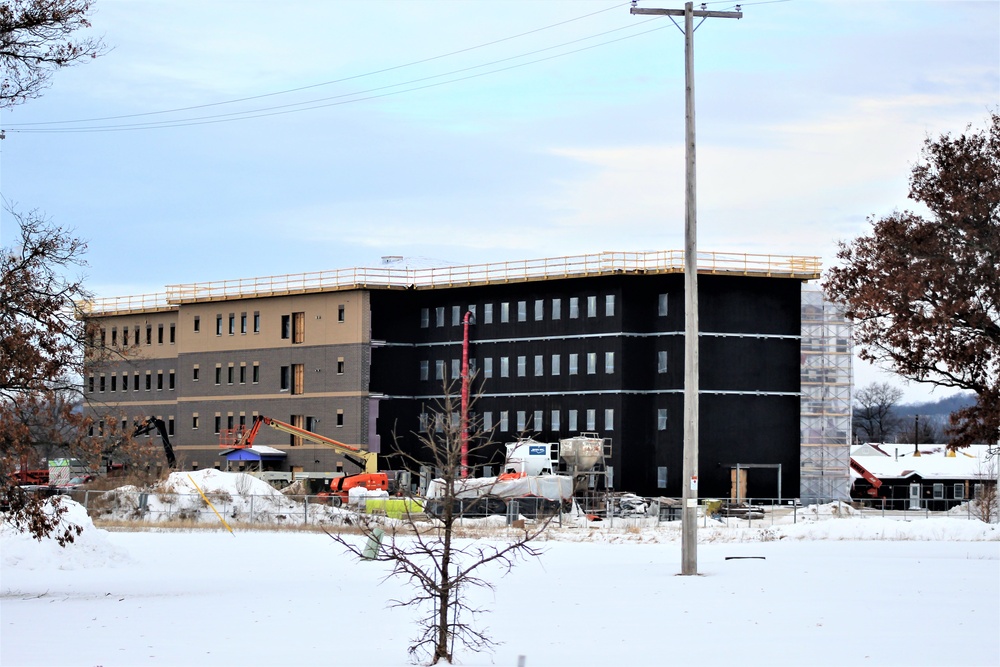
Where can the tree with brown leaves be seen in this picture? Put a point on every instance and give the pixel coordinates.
(924, 292)
(36, 39)
(41, 348)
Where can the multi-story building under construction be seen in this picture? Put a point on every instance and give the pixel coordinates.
(562, 345)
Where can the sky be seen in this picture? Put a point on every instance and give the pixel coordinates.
(782, 594)
(222, 139)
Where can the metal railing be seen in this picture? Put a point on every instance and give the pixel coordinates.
(279, 509)
(661, 261)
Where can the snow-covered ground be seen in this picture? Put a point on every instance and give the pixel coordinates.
(841, 591)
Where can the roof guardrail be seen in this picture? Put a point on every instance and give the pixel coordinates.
(660, 261)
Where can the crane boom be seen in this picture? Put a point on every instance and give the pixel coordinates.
(367, 461)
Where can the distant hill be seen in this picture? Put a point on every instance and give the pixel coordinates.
(941, 407)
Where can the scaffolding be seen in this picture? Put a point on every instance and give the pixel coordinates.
(825, 412)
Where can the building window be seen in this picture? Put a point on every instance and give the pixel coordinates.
(505, 312)
(555, 364)
(114, 336)
(243, 324)
(232, 324)
(504, 367)
(591, 420)
(298, 378)
(456, 368)
(298, 328)
(230, 374)
(592, 306)
(439, 316)
(171, 381)
(159, 334)
(572, 421)
(504, 423)
(609, 305)
(456, 315)
(286, 327)
(522, 366)
(521, 415)
(574, 361)
(609, 362)
(574, 307)
(114, 382)
(539, 365)
(439, 369)
(256, 321)
(959, 490)
(149, 381)
(243, 372)
(340, 365)
(90, 384)
(341, 313)
(218, 374)
(425, 318)
(194, 422)
(536, 420)
(661, 305)
(170, 425)
(661, 419)
(218, 325)
(124, 336)
(424, 422)
(488, 367)
(197, 323)
(340, 418)
(218, 423)
(135, 381)
(557, 309)
(539, 310)
(487, 421)
(173, 333)
(609, 419)
(229, 421)
(661, 477)
(425, 369)
(938, 491)
(149, 334)
(286, 378)
(255, 376)
(522, 311)
(661, 361)
(487, 313)
(554, 419)
(591, 363)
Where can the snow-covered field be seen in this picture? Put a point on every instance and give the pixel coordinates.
(840, 591)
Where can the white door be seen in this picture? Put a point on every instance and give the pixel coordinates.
(914, 496)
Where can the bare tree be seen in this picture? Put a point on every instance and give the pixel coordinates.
(440, 566)
(874, 411)
(984, 504)
(36, 39)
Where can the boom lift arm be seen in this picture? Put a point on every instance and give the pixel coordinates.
(148, 425)
(870, 478)
(367, 461)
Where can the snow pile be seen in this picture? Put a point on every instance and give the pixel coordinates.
(235, 496)
(91, 548)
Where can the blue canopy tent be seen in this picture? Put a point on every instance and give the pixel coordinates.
(253, 459)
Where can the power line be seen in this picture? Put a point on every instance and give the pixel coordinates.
(326, 83)
(284, 109)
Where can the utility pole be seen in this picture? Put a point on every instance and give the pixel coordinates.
(689, 481)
